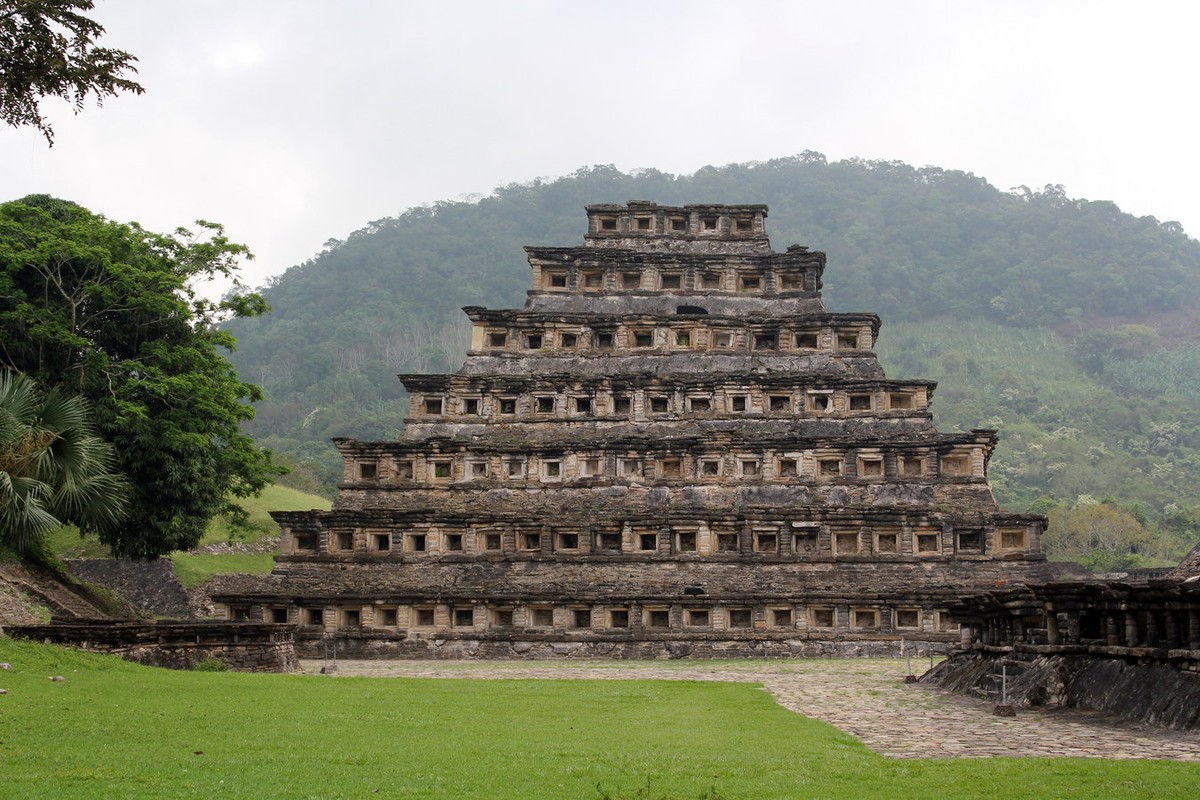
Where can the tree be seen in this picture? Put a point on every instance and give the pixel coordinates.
(53, 470)
(48, 49)
(1101, 536)
(107, 310)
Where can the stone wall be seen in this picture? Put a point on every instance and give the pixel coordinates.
(241, 647)
(149, 585)
(545, 648)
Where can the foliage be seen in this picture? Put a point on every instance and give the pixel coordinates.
(190, 734)
(48, 49)
(53, 470)
(1063, 432)
(107, 310)
(68, 542)
(1101, 536)
(1095, 349)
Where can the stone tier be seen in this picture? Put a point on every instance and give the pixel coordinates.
(582, 497)
(772, 340)
(616, 582)
(633, 533)
(580, 500)
(783, 280)
(466, 402)
(670, 456)
(649, 228)
(860, 365)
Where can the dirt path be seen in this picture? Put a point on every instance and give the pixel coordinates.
(864, 697)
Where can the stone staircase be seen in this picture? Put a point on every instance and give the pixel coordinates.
(29, 588)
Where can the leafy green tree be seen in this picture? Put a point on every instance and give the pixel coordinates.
(48, 49)
(107, 310)
(1096, 349)
(53, 469)
(1101, 536)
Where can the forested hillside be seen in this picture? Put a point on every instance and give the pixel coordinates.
(1067, 323)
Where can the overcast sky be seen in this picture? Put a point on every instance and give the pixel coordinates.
(294, 121)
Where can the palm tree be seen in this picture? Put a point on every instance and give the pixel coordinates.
(53, 470)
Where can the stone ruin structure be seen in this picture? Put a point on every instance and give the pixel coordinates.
(1127, 646)
(673, 449)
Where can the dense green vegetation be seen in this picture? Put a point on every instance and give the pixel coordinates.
(108, 311)
(1066, 323)
(53, 470)
(118, 730)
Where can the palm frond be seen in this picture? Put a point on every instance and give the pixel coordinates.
(53, 470)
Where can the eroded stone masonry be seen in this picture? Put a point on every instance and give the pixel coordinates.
(673, 449)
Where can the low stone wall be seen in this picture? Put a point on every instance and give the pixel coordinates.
(243, 647)
(1150, 685)
(349, 645)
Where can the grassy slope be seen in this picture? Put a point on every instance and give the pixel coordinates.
(194, 570)
(273, 498)
(115, 729)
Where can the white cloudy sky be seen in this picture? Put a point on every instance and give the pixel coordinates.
(293, 121)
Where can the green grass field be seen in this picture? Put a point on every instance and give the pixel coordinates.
(112, 729)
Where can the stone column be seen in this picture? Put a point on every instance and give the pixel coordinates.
(1171, 631)
(1131, 630)
(1152, 637)
(1052, 634)
(1112, 631)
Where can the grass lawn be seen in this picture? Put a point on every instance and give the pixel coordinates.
(113, 729)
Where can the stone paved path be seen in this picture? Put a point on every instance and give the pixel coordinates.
(864, 697)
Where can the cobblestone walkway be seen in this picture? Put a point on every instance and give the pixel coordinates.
(864, 697)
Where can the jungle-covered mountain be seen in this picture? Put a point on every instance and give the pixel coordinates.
(1066, 323)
